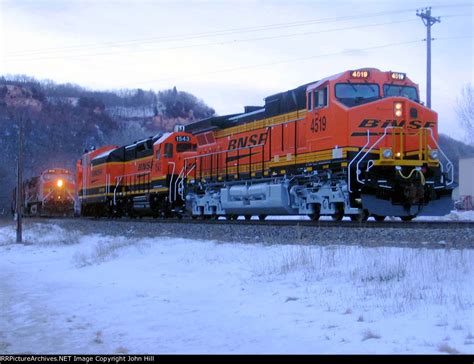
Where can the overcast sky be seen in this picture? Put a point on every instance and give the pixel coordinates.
(234, 53)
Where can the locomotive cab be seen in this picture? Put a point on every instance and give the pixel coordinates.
(50, 194)
(395, 165)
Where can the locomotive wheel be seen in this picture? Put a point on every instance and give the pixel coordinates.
(339, 214)
(379, 217)
(363, 216)
(407, 218)
(262, 217)
(248, 217)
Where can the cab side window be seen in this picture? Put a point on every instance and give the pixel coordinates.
(168, 150)
(321, 98)
(309, 102)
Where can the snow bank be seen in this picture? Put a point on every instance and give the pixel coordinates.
(107, 294)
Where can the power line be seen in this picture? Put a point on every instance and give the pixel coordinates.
(263, 65)
(269, 37)
(217, 43)
(191, 36)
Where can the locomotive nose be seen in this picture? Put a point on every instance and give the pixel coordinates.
(59, 183)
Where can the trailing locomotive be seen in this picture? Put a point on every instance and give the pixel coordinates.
(358, 143)
(143, 178)
(354, 144)
(50, 194)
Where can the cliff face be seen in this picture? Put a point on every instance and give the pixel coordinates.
(60, 121)
(14, 96)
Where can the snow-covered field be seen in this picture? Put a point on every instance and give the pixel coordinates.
(67, 293)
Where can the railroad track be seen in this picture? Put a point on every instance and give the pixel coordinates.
(307, 223)
(415, 234)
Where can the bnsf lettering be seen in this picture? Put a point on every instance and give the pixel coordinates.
(414, 124)
(368, 123)
(393, 123)
(144, 166)
(242, 142)
(96, 172)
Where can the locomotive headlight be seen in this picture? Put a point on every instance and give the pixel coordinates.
(387, 153)
(59, 183)
(434, 154)
(398, 109)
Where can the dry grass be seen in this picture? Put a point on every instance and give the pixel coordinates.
(399, 278)
(121, 350)
(98, 338)
(367, 335)
(107, 248)
(445, 348)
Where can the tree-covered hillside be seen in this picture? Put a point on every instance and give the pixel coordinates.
(61, 120)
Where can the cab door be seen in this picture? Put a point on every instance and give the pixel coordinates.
(318, 135)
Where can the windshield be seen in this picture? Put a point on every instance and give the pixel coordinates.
(353, 94)
(404, 91)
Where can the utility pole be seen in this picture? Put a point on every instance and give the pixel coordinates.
(19, 186)
(428, 20)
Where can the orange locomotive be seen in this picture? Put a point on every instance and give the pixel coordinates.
(358, 143)
(50, 194)
(143, 178)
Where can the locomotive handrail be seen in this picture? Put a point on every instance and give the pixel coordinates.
(225, 151)
(191, 169)
(354, 159)
(449, 165)
(180, 175)
(228, 151)
(370, 149)
(119, 179)
(132, 174)
(171, 179)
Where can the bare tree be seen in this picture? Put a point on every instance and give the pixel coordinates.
(465, 111)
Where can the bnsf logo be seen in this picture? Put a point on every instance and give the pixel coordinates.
(414, 124)
(144, 166)
(247, 141)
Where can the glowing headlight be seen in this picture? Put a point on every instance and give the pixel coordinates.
(59, 183)
(434, 154)
(387, 153)
(398, 109)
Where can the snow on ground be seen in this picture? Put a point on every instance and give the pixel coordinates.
(67, 293)
(452, 216)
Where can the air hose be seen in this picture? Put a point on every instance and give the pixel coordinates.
(422, 176)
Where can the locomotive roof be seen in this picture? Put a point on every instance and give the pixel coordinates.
(279, 103)
(56, 170)
(283, 102)
(162, 138)
(104, 154)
